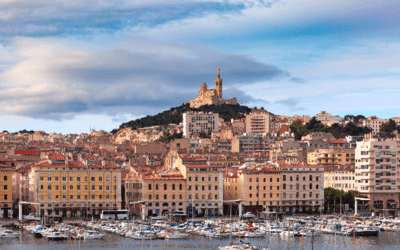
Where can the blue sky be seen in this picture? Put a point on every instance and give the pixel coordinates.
(70, 66)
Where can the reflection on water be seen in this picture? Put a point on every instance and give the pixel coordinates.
(385, 241)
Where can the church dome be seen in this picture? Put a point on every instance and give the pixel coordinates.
(204, 87)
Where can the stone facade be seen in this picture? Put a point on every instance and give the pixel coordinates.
(211, 96)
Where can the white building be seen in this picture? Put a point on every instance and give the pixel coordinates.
(196, 122)
(374, 124)
(258, 123)
(376, 172)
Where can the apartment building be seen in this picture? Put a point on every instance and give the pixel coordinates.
(374, 123)
(204, 183)
(162, 192)
(74, 188)
(377, 172)
(248, 143)
(302, 187)
(322, 116)
(196, 122)
(340, 177)
(6, 190)
(257, 186)
(332, 156)
(258, 122)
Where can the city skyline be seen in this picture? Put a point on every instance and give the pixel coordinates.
(71, 67)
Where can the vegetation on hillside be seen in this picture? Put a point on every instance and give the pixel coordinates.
(316, 126)
(174, 115)
(388, 128)
(167, 137)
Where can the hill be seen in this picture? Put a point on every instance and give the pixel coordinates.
(174, 115)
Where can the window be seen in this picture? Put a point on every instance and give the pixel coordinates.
(100, 187)
(71, 178)
(270, 179)
(149, 196)
(317, 186)
(71, 187)
(297, 178)
(100, 178)
(284, 186)
(173, 197)
(71, 197)
(209, 178)
(180, 197)
(297, 186)
(64, 196)
(41, 178)
(41, 187)
(173, 186)
(115, 179)
(78, 196)
(78, 178)
(190, 178)
(249, 187)
(196, 178)
(56, 178)
(165, 196)
(149, 186)
(86, 187)
(216, 178)
(56, 187)
(165, 186)
(270, 195)
(49, 178)
(115, 187)
(297, 195)
(93, 196)
(49, 187)
(250, 180)
(156, 196)
(190, 187)
(180, 186)
(93, 178)
(64, 178)
(310, 194)
(216, 187)
(202, 187)
(304, 187)
(156, 186)
(316, 178)
(291, 178)
(209, 187)
(86, 179)
(270, 187)
(64, 187)
(216, 197)
(310, 185)
(310, 177)
(93, 187)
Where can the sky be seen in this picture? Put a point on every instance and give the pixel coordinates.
(71, 66)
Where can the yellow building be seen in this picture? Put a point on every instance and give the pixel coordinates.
(72, 188)
(257, 186)
(332, 156)
(204, 183)
(340, 177)
(6, 187)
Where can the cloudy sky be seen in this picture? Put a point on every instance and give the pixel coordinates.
(68, 66)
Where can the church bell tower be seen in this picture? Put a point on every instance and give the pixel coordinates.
(218, 84)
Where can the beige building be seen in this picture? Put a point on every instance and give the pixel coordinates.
(249, 143)
(196, 122)
(332, 156)
(340, 177)
(302, 187)
(162, 192)
(211, 96)
(258, 122)
(322, 116)
(377, 172)
(257, 186)
(204, 183)
(374, 124)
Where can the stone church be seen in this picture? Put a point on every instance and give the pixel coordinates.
(211, 96)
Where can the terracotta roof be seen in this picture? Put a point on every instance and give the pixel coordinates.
(76, 164)
(56, 156)
(298, 165)
(90, 158)
(5, 166)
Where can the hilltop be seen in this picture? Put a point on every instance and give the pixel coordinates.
(174, 115)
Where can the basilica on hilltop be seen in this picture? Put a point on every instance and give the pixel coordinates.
(211, 96)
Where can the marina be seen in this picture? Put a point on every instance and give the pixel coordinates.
(289, 233)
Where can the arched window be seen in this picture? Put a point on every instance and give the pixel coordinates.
(157, 204)
(180, 203)
(310, 177)
(310, 194)
(107, 178)
(297, 177)
(284, 186)
(310, 185)
(56, 205)
(165, 204)
(173, 204)
(284, 195)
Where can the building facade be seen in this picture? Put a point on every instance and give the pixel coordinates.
(258, 123)
(377, 172)
(196, 122)
(6, 190)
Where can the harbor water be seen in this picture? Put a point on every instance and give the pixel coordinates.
(384, 241)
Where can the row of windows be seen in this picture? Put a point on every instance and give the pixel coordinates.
(64, 178)
(203, 196)
(265, 195)
(165, 197)
(304, 178)
(164, 204)
(78, 187)
(202, 179)
(202, 188)
(78, 196)
(166, 187)
(264, 180)
(298, 186)
(265, 188)
(298, 195)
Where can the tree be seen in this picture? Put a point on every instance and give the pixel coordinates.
(387, 128)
